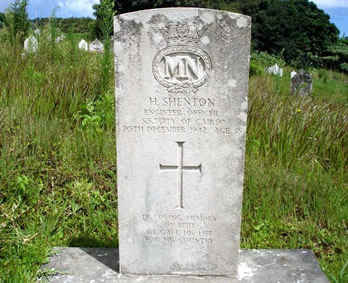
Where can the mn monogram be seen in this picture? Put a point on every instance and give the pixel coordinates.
(181, 67)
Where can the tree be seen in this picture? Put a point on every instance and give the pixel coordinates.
(16, 20)
(2, 20)
(104, 13)
(125, 6)
(337, 56)
(297, 29)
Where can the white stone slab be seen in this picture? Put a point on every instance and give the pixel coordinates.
(181, 95)
(100, 265)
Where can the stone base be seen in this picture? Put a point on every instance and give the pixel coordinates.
(94, 265)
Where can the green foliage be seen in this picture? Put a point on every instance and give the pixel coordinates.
(104, 13)
(16, 21)
(294, 194)
(261, 60)
(2, 20)
(337, 56)
(266, 60)
(124, 6)
(255, 69)
(57, 144)
(66, 25)
(344, 67)
(58, 160)
(297, 28)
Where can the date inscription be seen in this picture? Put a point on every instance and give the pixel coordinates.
(183, 229)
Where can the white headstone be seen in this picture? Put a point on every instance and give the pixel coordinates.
(181, 100)
(60, 38)
(83, 45)
(37, 32)
(293, 74)
(31, 44)
(96, 46)
(275, 70)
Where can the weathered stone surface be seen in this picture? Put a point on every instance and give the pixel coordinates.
(293, 74)
(96, 46)
(181, 92)
(301, 83)
(87, 265)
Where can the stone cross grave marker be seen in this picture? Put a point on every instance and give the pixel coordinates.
(181, 110)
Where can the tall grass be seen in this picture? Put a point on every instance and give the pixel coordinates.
(57, 155)
(296, 182)
(57, 160)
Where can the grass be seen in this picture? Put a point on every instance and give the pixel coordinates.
(296, 182)
(57, 161)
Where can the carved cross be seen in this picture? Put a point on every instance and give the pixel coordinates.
(180, 168)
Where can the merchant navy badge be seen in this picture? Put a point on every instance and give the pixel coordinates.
(182, 66)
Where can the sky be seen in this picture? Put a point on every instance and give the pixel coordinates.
(336, 9)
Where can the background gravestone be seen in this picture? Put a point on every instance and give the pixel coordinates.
(96, 46)
(83, 44)
(31, 44)
(181, 92)
(301, 83)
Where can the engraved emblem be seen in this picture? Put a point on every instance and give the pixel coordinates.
(227, 28)
(181, 67)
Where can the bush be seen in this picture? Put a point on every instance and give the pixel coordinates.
(264, 59)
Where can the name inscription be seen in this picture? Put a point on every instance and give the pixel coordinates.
(179, 115)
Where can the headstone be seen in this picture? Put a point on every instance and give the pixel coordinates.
(96, 46)
(275, 70)
(293, 74)
(181, 92)
(83, 45)
(60, 38)
(31, 44)
(37, 31)
(302, 83)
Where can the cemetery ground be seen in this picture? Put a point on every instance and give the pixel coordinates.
(58, 172)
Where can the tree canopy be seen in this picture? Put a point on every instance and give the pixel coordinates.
(125, 6)
(296, 29)
(2, 20)
(66, 25)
